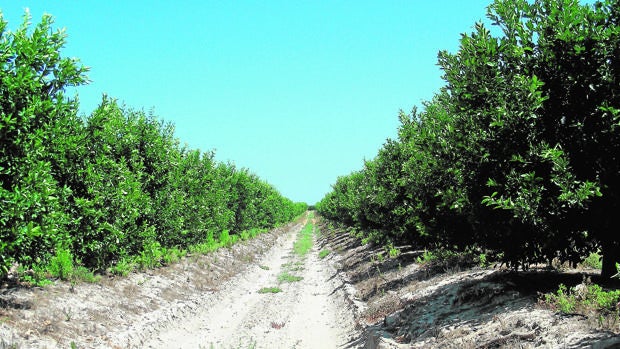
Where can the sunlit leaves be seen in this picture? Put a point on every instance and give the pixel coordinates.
(113, 185)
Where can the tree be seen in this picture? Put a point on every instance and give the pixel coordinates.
(33, 77)
(538, 108)
(518, 153)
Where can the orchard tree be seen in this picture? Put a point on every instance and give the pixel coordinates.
(518, 153)
(33, 109)
(539, 109)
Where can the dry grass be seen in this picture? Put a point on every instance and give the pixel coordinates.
(382, 307)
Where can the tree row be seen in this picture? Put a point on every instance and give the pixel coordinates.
(110, 185)
(519, 152)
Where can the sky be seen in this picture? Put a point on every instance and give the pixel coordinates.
(298, 92)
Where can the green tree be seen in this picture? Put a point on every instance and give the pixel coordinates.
(113, 185)
(33, 77)
(518, 153)
(537, 108)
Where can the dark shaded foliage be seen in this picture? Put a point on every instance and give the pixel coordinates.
(518, 153)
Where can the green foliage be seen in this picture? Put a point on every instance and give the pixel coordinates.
(483, 261)
(287, 277)
(61, 265)
(209, 245)
(123, 267)
(587, 299)
(33, 76)
(565, 301)
(270, 290)
(324, 253)
(379, 257)
(583, 298)
(173, 255)
(516, 154)
(303, 245)
(114, 189)
(225, 239)
(37, 276)
(392, 251)
(81, 273)
(151, 256)
(593, 261)
(426, 257)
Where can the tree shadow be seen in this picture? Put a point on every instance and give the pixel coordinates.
(475, 301)
(8, 300)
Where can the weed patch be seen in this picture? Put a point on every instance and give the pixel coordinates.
(587, 299)
(593, 261)
(270, 290)
(293, 266)
(81, 273)
(122, 268)
(427, 257)
(324, 253)
(225, 239)
(392, 251)
(304, 242)
(205, 247)
(37, 276)
(61, 265)
(286, 277)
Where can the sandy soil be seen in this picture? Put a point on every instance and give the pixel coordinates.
(403, 304)
(350, 299)
(306, 314)
(203, 302)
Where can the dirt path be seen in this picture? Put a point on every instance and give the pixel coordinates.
(350, 299)
(304, 315)
(209, 301)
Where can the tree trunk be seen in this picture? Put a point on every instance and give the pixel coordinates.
(611, 256)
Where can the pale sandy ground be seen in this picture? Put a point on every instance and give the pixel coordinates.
(407, 305)
(306, 314)
(202, 302)
(351, 299)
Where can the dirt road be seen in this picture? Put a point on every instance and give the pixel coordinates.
(305, 314)
(209, 301)
(213, 301)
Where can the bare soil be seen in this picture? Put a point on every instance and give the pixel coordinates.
(349, 299)
(308, 313)
(207, 301)
(402, 304)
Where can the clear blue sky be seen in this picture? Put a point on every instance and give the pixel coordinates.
(299, 92)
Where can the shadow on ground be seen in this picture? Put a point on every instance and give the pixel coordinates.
(458, 304)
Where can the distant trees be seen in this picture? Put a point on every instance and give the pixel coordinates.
(518, 153)
(111, 185)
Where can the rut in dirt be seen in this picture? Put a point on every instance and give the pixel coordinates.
(306, 311)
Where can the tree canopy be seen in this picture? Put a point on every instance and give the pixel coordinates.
(518, 152)
(111, 185)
